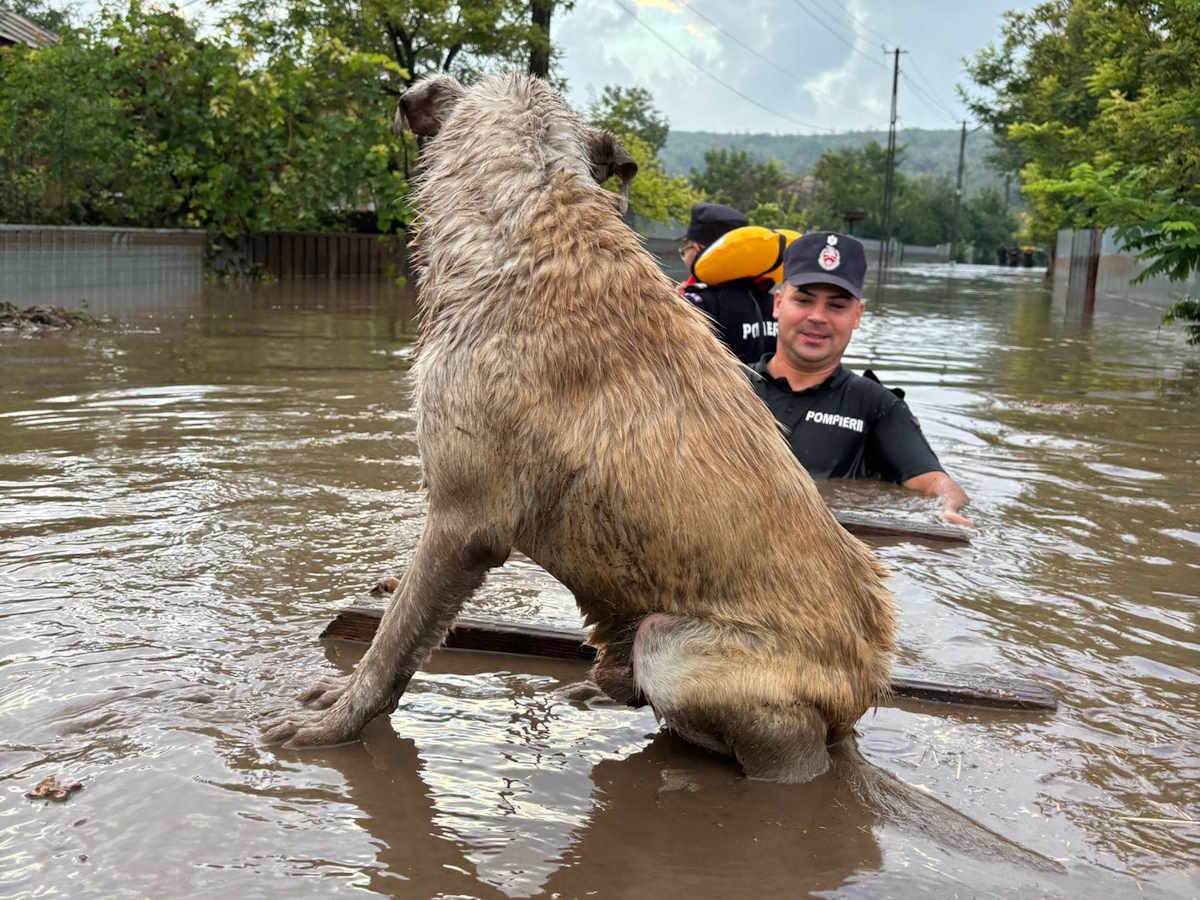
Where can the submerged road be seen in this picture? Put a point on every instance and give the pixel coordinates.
(188, 496)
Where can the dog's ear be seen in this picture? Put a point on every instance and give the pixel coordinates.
(607, 157)
(427, 105)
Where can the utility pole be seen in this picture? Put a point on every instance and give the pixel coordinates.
(962, 155)
(885, 245)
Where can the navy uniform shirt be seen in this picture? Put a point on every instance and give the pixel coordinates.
(735, 310)
(849, 426)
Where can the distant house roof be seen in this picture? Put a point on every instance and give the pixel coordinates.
(16, 29)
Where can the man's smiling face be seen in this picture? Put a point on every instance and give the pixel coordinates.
(816, 322)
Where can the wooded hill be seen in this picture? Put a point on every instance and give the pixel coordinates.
(926, 152)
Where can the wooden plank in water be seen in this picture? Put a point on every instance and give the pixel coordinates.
(995, 691)
(864, 524)
(359, 623)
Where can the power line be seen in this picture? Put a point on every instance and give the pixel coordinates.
(846, 10)
(746, 47)
(926, 96)
(820, 20)
(926, 99)
(927, 93)
(791, 75)
(723, 84)
(921, 94)
(926, 82)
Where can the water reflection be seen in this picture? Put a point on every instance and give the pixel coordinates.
(186, 497)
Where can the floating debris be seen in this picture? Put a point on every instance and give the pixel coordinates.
(50, 788)
(42, 318)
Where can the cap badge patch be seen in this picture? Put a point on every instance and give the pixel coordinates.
(831, 240)
(829, 258)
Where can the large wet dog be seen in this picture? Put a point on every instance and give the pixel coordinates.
(572, 406)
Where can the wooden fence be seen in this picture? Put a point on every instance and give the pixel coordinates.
(288, 255)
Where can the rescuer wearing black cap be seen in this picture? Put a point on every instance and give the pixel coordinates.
(841, 425)
(736, 307)
(708, 222)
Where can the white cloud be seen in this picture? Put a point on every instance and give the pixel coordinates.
(832, 86)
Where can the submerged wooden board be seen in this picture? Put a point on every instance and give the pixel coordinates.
(358, 623)
(865, 524)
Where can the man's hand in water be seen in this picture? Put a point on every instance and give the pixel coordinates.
(953, 497)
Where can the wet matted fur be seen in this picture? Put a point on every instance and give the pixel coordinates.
(572, 406)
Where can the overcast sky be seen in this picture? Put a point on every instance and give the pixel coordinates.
(788, 66)
(798, 63)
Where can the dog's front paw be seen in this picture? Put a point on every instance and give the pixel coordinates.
(323, 729)
(325, 692)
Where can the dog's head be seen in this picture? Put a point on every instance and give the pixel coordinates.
(431, 107)
(426, 106)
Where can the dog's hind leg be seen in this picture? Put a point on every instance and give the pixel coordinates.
(718, 687)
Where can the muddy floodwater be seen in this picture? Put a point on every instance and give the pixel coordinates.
(188, 495)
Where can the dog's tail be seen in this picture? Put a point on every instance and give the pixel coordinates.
(896, 801)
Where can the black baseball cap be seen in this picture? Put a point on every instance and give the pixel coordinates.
(826, 257)
(711, 220)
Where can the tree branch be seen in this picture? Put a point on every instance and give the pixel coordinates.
(402, 45)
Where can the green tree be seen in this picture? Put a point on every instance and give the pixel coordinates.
(1187, 311)
(653, 193)
(922, 206)
(630, 111)
(136, 119)
(736, 179)
(923, 211)
(423, 37)
(853, 179)
(780, 215)
(1036, 72)
(987, 225)
(429, 36)
(1097, 101)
